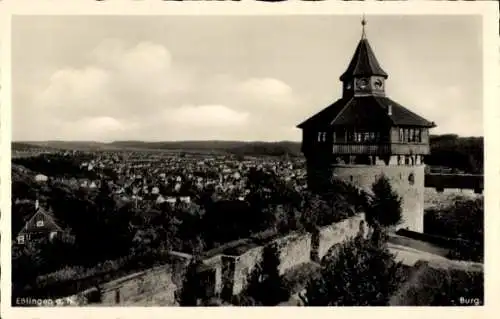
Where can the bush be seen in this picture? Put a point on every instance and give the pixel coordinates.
(444, 287)
(363, 273)
(385, 208)
(191, 288)
(462, 220)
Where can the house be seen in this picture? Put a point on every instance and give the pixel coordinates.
(41, 178)
(185, 199)
(41, 225)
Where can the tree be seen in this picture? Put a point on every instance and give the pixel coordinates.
(362, 272)
(191, 289)
(385, 208)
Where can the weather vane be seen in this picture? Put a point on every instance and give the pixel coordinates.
(363, 23)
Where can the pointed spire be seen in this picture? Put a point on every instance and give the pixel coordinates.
(363, 62)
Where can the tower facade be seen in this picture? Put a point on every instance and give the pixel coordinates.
(365, 134)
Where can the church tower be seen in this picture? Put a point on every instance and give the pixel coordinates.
(365, 134)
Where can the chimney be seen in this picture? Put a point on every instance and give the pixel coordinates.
(36, 204)
(389, 109)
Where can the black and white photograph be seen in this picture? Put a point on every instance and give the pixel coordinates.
(247, 160)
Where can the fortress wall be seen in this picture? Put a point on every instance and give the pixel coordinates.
(412, 194)
(338, 233)
(244, 265)
(157, 286)
(295, 249)
(152, 287)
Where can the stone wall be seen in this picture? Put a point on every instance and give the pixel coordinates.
(146, 288)
(411, 190)
(243, 266)
(152, 287)
(157, 286)
(332, 235)
(295, 249)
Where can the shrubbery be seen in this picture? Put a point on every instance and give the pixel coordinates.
(443, 287)
(362, 272)
(463, 220)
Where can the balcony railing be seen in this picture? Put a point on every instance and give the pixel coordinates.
(381, 149)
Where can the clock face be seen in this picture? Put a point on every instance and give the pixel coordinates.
(362, 83)
(378, 83)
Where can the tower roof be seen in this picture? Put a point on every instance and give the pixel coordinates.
(366, 111)
(363, 62)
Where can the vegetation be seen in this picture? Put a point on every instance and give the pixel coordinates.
(56, 165)
(460, 153)
(442, 287)
(463, 220)
(362, 272)
(191, 289)
(385, 208)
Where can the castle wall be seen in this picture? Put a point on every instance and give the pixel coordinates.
(294, 249)
(157, 286)
(338, 233)
(412, 194)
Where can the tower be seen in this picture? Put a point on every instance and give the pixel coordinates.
(365, 134)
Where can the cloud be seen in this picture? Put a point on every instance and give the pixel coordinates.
(207, 116)
(123, 91)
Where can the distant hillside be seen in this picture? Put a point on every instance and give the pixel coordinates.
(63, 145)
(449, 150)
(26, 146)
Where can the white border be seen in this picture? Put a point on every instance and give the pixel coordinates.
(487, 9)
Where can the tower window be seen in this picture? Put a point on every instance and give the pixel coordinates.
(362, 136)
(411, 179)
(321, 136)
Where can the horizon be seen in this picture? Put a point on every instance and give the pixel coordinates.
(217, 140)
(114, 81)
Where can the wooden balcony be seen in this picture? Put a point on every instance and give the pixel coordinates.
(409, 149)
(380, 149)
(367, 149)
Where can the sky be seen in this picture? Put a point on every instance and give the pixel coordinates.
(166, 78)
